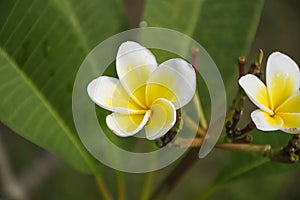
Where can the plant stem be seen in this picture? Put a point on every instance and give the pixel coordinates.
(193, 125)
(241, 63)
(200, 112)
(171, 181)
(120, 185)
(102, 187)
(147, 186)
(186, 142)
(248, 148)
(196, 99)
(262, 150)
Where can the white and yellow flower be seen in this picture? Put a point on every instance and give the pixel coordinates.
(279, 99)
(145, 95)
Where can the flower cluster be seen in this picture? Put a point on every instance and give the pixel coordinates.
(147, 95)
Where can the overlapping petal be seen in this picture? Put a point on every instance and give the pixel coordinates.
(174, 80)
(256, 91)
(162, 119)
(290, 120)
(134, 64)
(291, 130)
(126, 125)
(289, 111)
(265, 122)
(283, 78)
(108, 93)
(135, 84)
(291, 105)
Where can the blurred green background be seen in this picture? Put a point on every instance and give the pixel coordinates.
(44, 176)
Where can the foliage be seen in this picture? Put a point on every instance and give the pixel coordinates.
(43, 43)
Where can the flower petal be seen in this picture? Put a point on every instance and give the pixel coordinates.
(283, 78)
(290, 120)
(134, 64)
(126, 125)
(265, 122)
(108, 93)
(134, 83)
(131, 55)
(162, 119)
(256, 91)
(291, 105)
(291, 130)
(289, 111)
(174, 80)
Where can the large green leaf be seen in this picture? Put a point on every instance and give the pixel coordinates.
(174, 14)
(42, 45)
(224, 28)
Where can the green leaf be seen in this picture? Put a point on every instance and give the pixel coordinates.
(174, 14)
(225, 28)
(42, 45)
(25, 110)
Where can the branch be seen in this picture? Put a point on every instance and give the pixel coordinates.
(171, 181)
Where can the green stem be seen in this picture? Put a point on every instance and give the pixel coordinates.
(145, 194)
(186, 142)
(199, 110)
(261, 150)
(192, 125)
(196, 99)
(236, 104)
(102, 188)
(120, 186)
(173, 178)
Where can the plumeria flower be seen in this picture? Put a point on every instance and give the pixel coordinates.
(145, 95)
(279, 99)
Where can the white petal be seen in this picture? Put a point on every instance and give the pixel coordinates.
(291, 130)
(134, 64)
(108, 93)
(126, 125)
(265, 122)
(131, 55)
(283, 78)
(175, 80)
(162, 119)
(256, 91)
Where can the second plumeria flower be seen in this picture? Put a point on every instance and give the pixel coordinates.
(145, 95)
(279, 99)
